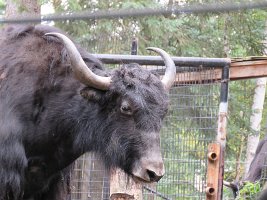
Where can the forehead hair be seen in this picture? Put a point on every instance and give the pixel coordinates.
(139, 85)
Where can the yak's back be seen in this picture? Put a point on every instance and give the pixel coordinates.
(28, 62)
(26, 48)
(29, 59)
(35, 68)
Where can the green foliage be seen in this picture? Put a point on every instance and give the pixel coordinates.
(183, 35)
(247, 28)
(2, 7)
(203, 35)
(249, 191)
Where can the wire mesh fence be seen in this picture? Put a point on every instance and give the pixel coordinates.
(89, 179)
(192, 120)
(188, 129)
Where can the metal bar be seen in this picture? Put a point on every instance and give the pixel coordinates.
(221, 134)
(224, 86)
(134, 49)
(222, 123)
(123, 13)
(158, 194)
(157, 60)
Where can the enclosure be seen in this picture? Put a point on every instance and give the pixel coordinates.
(201, 36)
(188, 129)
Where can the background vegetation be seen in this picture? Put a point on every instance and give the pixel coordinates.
(233, 34)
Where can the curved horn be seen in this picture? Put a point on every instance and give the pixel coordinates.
(80, 69)
(170, 73)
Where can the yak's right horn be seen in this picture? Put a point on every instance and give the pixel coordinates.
(170, 73)
(80, 69)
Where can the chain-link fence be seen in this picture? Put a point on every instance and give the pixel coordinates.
(188, 129)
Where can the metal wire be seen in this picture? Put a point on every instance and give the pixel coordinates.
(188, 129)
(124, 13)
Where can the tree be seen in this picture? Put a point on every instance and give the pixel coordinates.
(204, 35)
(22, 8)
(255, 121)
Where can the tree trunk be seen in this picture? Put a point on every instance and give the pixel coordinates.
(238, 160)
(255, 121)
(226, 43)
(22, 8)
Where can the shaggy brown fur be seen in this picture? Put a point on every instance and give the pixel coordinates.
(48, 118)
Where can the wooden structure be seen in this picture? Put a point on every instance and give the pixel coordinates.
(246, 68)
(213, 171)
(122, 187)
(240, 68)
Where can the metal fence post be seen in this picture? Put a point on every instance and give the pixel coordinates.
(222, 122)
(217, 179)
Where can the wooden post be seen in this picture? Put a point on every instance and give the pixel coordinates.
(123, 187)
(214, 153)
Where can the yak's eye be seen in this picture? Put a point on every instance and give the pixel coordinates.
(126, 108)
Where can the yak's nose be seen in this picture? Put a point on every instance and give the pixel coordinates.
(149, 170)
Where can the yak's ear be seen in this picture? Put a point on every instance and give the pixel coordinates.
(91, 94)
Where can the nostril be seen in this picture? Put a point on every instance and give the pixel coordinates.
(153, 176)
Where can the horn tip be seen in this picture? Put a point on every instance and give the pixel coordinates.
(51, 33)
(152, 48)
(58, 35)
(157, 50)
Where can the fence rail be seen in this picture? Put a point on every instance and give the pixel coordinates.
(122, 13)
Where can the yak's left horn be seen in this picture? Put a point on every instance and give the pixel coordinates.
(170, 73)
(80, 69)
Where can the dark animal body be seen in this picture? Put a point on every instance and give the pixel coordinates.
(49, 117)
(258, 166)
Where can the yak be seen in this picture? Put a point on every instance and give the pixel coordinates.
(57, 102)
(257, 168)
(256, 171)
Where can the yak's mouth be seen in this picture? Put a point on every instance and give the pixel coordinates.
(143, 181)
(140, 180)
